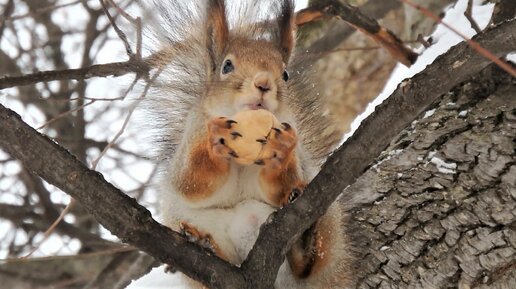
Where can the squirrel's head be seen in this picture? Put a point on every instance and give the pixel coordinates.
(248, 72)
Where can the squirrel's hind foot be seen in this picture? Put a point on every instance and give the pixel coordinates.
(200, 238)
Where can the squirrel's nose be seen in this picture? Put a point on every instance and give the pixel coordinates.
(262, 84)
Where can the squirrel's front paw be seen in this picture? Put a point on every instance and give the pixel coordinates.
(202, 239)
(277, 148)
(219, 131)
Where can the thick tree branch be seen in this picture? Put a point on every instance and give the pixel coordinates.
(119, 213)
(374, 9)
(353, 16)
(342, 168)
(504, 10)
(134, 224)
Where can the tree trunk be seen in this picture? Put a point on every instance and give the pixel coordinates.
(438, 208)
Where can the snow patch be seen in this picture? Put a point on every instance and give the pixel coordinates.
(463, 113)
(444, 167)
(429, 113)
(511, 57)
(158, 279)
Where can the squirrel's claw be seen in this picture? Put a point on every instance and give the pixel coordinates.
(233, 154)
(219, 131)
(296, 192)
(193, 235)
(277, 148)
(236, 134)
(230, 123)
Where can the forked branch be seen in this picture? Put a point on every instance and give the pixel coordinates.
(367, 25)
(133, 224)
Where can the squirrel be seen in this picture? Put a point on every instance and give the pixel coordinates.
(214, 62)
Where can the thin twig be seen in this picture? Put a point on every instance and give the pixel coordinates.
(473, 44)
(43, 10)
(122, 12)
(469, 15)
(61, 115)
(9, 8)
(356, 48)
(50, 229)
(121, 248)
(137, 21)
(98, 70)
(126, 121)
(354, 17)
(83, 98)
(118, 31)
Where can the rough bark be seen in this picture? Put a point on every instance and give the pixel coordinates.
(440, 205)
(344, 166)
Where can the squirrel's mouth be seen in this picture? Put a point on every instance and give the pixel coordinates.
(255, 106)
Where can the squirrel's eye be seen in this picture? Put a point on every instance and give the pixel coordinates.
(285, 75)
(228, 67)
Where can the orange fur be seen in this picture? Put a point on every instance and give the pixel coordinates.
(218, 27)
(278, 183)
(279, 175)
(205, 173)
(203, 237)
(322, 247)
(310, 254)
(286, 23)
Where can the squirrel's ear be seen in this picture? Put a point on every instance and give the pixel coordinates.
(286, 23)
(217, 28)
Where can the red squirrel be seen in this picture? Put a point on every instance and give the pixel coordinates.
(213, 66)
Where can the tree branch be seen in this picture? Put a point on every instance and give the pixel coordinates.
(353, 16)
(134, 65)
(98, 70)
(133, 224)
(343, 167)
(119, 213)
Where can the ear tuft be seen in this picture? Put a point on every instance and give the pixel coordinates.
(218, 30)
(286, 23)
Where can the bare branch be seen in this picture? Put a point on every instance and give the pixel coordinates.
(117, 212)
(98, 70)
(469, 15)
(358, 20)
(478, 48)
(9, 7)
(118, 31)
(50, 230)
